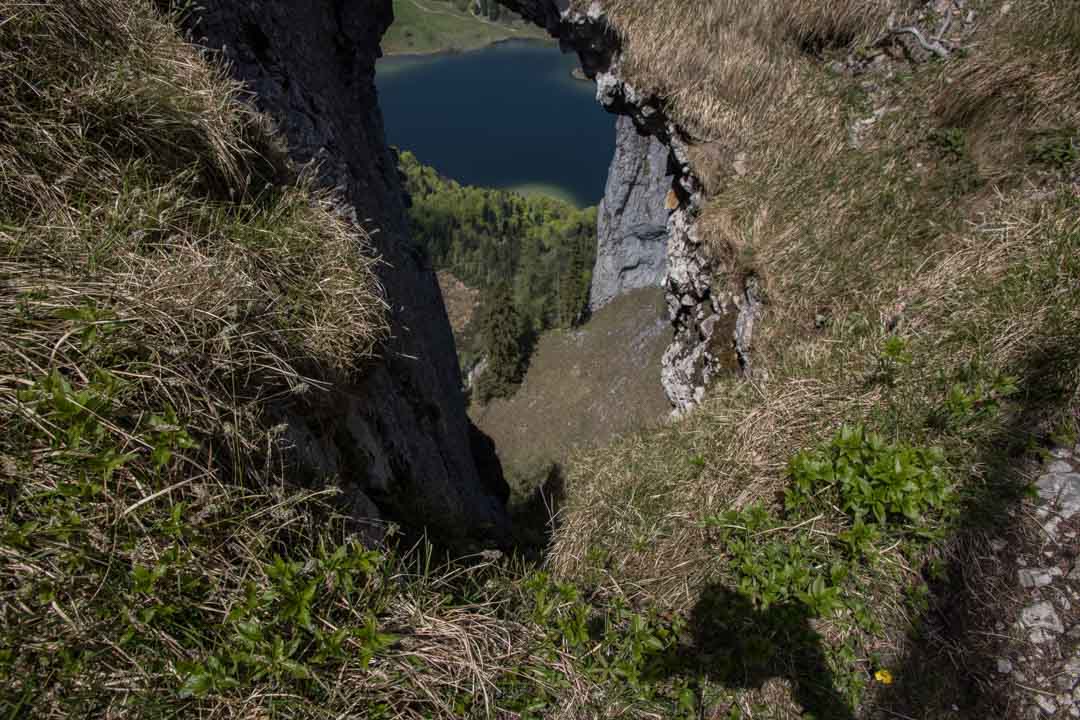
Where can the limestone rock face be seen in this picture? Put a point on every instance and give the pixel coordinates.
(632, 220)
(398, 438)
(702, 346)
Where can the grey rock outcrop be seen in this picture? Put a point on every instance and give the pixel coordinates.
(397, 438)
(631, 250)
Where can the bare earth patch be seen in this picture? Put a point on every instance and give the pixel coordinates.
(460, 299)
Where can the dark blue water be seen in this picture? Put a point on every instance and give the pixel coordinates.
(507, 116)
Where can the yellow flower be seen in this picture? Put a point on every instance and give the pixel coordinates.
(883, 676)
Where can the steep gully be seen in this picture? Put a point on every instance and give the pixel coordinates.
(713, 327)
(398, 439)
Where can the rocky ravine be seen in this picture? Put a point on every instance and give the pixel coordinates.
(713, 326)
(399, 438)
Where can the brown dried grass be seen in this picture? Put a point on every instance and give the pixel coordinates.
(857, 238)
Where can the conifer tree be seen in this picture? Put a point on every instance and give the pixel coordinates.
(501, 332)
(573, 286)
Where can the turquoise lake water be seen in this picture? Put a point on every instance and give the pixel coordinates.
(507, 116)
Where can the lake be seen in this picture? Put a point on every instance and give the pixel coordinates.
(507, 116)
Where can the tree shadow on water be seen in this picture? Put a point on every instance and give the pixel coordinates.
(739, 646)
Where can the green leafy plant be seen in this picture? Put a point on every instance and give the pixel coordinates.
(1055, 149)
(892, 360)
(773, 568)
(870, 478)
(951, 142)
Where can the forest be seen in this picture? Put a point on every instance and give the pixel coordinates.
(530, 256)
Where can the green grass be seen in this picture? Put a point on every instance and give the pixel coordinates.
(431, 26)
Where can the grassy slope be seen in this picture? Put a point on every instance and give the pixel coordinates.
(921, 281)
(161, 276)
(583, 387)
(429, 26)
(165, 276)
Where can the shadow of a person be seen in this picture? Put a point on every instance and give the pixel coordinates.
(739, 646)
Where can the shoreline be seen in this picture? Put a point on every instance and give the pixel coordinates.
(460, 51)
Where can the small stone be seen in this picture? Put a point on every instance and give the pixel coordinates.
(708, 326)
(1034, 578)
(1038, 636)
(8, 467)
(1050, 527)
(1059, 466)
(1042, 616)
(1004, 666)
(1046, 704)
(1060, 452)
(741, 164)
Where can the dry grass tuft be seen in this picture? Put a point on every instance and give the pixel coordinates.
(1024, 82)
(134, 184)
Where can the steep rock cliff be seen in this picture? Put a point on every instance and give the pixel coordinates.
(712, 326)
(631, 247)
(398, 438)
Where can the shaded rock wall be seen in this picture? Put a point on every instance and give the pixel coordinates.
(632, 219)
(398, 438)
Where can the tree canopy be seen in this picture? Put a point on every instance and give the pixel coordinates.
(538, 250)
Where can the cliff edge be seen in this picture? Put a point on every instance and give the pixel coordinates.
(400, 435)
